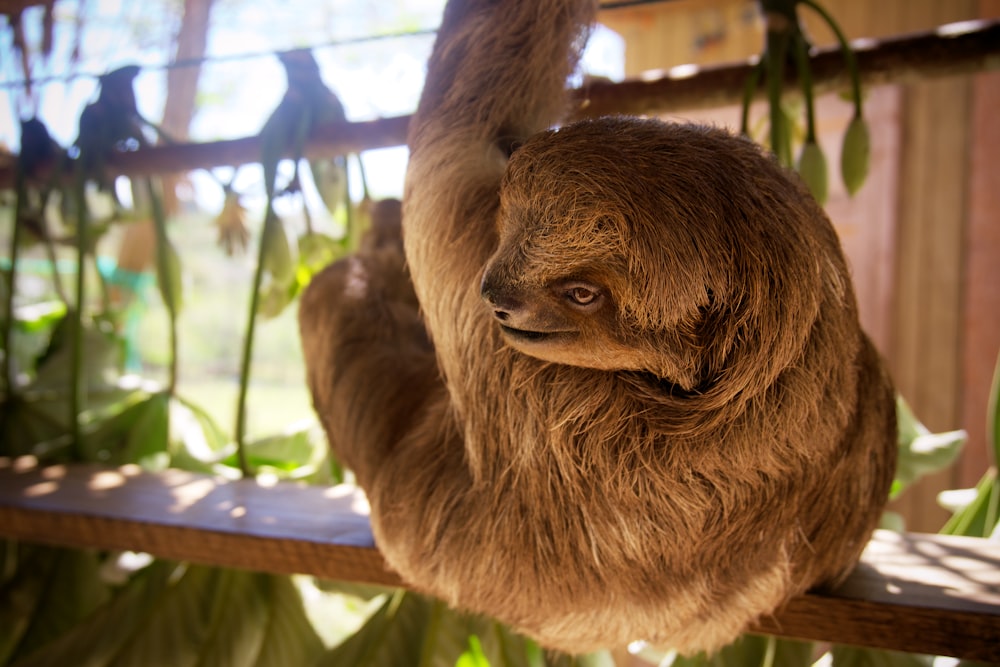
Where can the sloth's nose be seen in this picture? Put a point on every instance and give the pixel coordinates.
(504, 305)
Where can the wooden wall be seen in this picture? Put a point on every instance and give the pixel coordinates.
(923, 235)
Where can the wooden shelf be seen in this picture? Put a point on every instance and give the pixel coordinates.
(911, 592)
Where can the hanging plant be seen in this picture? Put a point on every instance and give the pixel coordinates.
(786, 46)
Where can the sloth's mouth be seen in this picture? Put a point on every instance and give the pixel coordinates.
(524, 334)
(528, 336)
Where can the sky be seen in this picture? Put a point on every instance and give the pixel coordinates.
(242, 82)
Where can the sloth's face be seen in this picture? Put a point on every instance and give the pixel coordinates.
(566, 320)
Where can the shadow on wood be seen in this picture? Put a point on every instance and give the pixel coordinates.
(921, 593)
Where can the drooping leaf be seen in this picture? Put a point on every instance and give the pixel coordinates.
(289, 638)
(147, 442)
(473, 656)
(979, 518)
(812, 168)
(993, 416)
(277, 253)
(275, 297)
(409, 629)
(330, 178)
(108, 428)
(50, 590)
(73, 590)
(316, 251)
(292, 450)
(101, 636)
(238, 620)
(103, 357)
(855, 155)
(920, 451)
(197, 442)
(169, 278)
(28, 427)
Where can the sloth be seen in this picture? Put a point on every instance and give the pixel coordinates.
(607, 382)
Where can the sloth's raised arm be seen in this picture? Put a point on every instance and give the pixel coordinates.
(497, 75)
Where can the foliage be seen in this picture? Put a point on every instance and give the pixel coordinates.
(787, 46)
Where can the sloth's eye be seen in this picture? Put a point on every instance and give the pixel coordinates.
(582, 296)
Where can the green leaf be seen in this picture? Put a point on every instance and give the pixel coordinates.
(169, 278)
(812, 168)
(277, 253)
(855, 155)
(97, 639)
(920, 451)
(39, 317)
(73, 590)
(979, 518)
(409, 629)
(238, 621)
(330, 179)
(109, 429)
(103, 356)
(275, 297)
(473, 657)
(289, 638)
(197, 442)
(316, 251)
(296, 449)
(28, 426)
(993, 416)
(147, 442)
(188, 616)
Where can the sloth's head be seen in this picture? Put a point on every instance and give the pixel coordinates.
(681, 251)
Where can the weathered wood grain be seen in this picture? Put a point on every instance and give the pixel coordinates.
(911, 592)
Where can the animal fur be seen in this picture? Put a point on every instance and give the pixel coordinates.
(699, 434)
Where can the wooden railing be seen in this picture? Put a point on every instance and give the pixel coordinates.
(964, 48)
(911, 592)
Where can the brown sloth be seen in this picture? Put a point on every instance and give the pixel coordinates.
(629, 397)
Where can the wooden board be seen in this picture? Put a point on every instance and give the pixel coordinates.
(911, 592)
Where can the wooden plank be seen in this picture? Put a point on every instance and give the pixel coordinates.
(285, 528)
(922, 593)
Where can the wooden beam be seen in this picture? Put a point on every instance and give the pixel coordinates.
(959, 48)
(920, 593)
(284, 528)
(950, 50)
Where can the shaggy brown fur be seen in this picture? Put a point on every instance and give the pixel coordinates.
(663, 421)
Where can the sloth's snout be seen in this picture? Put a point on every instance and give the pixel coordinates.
(503, 304)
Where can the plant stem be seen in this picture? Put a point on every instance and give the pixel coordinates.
(748, 90)
(247, 358)
(10, 381)
(845, 47)
(774, 53)
(805, 79)
(76, 375)
(164, 274)
(50, 251)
